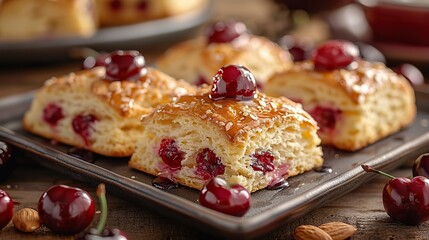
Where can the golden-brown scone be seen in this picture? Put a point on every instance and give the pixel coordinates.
(354, 107)
(197, 60)
(23, 19)
(85, 110)
(121, 12)
(253, 143)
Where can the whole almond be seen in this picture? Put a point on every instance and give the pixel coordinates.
(26, 220)
(310, 232)
(338, 230)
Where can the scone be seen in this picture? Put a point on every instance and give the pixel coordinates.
(121, 12)
(225, 43)
(24, 19)
(100, 109)
(233, 132)
(355, 102)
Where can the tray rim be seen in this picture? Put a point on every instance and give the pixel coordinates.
(213, 221)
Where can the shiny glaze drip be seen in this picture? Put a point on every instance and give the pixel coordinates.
(323, 169)
(236, 118)
(277, 185)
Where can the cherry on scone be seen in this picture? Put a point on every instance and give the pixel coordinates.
(125, 65)
(101, 232)
(7, 161)
(170, 153)
(218, 195)
(405, 200)
(66, 210)
(421, 166)
(225, 32)
(6, 208)
(233, 81)
(335, 54)
(411, 73)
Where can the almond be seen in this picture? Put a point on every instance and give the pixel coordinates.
(26, 220)
(310, 232)
(338, 230)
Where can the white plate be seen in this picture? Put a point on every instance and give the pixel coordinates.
(135, 36)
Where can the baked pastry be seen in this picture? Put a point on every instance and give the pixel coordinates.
(100, 109)
(355, 102)
(232, 132)
(225, 43)
(23, 19)
(120, 12)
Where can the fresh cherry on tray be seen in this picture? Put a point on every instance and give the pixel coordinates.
(6, 208)
(335, 54)
(66, 210)
(405, 200)
(218, 195)
(101, 232)
(421, 166)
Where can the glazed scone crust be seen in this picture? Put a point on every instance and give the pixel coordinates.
(118, 106)
(233, 131)
(374, 101)
(260, 55)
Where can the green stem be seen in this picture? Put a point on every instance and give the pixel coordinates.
(367, 168)
(101, 194)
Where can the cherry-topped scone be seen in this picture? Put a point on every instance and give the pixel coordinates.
(233, 132)
(355, 102)
(100, 108)
(225, 43)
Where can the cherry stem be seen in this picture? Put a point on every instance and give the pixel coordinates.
(367, 168)
(101, 194)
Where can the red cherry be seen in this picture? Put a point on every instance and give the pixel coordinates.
(66, 210)
(7, 162)
(405, 200)
(52, 114)
(421, 166)
(6, 208)
(233, 81)
(335, 54)
(125, 65)
(225, 32)
(299, 49)
(218, 195)
(208, 164)
(411, 73)
(170, 153)
(262, 161)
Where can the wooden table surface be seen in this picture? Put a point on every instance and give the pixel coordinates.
(362, 207)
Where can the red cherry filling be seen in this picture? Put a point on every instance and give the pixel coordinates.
(262, 161)
(225, 32)
(52, 114)
(82, 125)
(208, 164)
(325, 117)
(125, 65)
(233, 81)
(335, 54)
(218, 195)
(170, 153)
